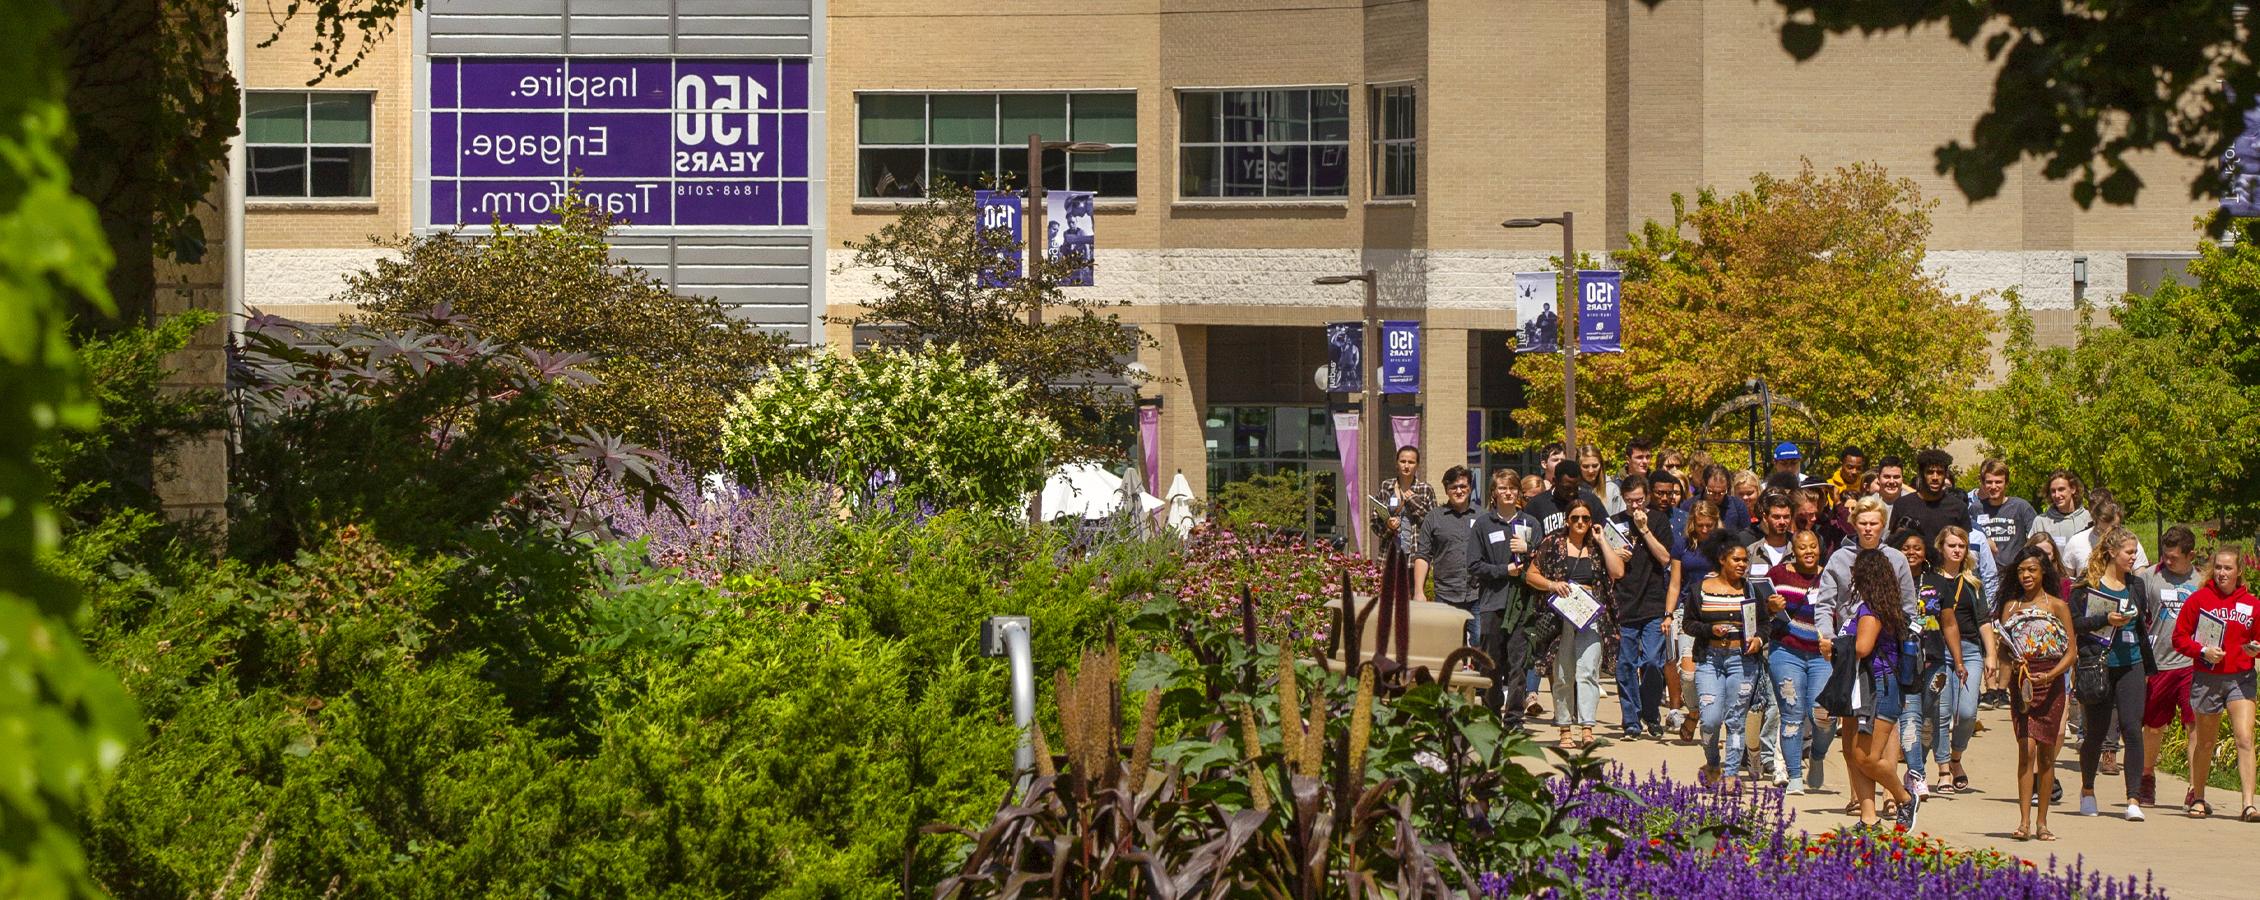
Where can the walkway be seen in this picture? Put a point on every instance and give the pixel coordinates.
(2191, 859)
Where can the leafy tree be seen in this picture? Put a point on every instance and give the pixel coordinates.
(2164, 408)
(64, 721)
(929, 264)
(1814, 283)
(1274, 501)
(942, 429)
(2081, 84)
(666, 365)
(117, 465)
(2165, 426)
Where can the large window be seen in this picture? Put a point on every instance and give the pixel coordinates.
(1246, 441)
(1269, 143)
(904, 142)
(1396, 157)
(308, 143)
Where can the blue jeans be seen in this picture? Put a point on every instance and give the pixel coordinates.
(1966, 693)
(1798, 677)
(1722, 694)
(1640, 675)
(1926, 721)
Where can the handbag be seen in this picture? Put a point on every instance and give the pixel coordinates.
(2091, 683)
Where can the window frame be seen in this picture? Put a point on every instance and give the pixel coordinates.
(308, 145)
(1379, 140)
(926, 145)
(1224, 144)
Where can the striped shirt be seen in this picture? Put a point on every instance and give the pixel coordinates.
(1799, 632)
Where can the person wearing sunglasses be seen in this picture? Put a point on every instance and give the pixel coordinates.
(1573, 564)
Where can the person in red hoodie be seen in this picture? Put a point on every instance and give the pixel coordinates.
(2224, 678)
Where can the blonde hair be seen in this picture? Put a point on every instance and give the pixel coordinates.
(1745, 479)
(1705, 511)
(1870, 503)
(2113, 538)
(1969, 563)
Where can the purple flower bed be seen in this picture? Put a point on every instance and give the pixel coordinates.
(727, 528)
(1777, 860)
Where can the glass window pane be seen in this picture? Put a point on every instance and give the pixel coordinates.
(1044, 114)
(1197, 118)
(1399, 170)
(1330, 170)
(1292, 434)
(1404, 122)
(969, 167)
(1243, 116)
(1330, 115)
(1199, 172)
(1216, 433)
(1322, 435)
(275, 119)
(1014, 163)
(277, 172)
(1111, 118)
(1288, 117)
(892, 118)
(339, 118)
(1251, 432)
(1110, 174)
(964, 119)
(340, 172)
(1244, 170)
(1287, 171)
(891, 172)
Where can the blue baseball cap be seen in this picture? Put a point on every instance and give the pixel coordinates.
(1786, 450)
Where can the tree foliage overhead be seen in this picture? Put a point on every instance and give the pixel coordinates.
(2164, 409)
(2081, 84)
(928, 265)
(1814, 283)
(666, 365)
(64, 721)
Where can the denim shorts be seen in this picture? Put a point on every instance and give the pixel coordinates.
(1890, 698)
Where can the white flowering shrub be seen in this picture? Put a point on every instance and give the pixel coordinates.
(942, 432)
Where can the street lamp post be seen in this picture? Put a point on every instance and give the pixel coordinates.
(1568, 322)
(1369, 372)
(1038, 240)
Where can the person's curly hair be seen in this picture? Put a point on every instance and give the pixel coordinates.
(1877, 585)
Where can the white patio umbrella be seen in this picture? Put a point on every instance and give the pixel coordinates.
(1180, 504)
(1082, 491)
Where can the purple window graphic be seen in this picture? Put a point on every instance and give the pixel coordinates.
(658, 142)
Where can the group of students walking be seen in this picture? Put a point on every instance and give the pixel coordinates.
(1867, 609)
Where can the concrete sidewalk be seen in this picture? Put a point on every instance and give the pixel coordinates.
(2194, 859)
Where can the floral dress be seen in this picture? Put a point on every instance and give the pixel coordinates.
(2038, 641)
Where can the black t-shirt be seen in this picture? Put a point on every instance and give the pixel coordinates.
(1951, 508)
(1960, 598)
(1549, 513)
(1641, 592)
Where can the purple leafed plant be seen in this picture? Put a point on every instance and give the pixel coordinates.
(727, 528)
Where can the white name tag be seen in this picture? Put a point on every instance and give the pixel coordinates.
(1497, 537)
(2244, 609)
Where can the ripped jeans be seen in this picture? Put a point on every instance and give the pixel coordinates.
(1723, 685)
(1797, 678)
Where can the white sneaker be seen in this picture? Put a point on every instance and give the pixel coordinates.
(2134, 812)
(1795, 790)
(1780, 773)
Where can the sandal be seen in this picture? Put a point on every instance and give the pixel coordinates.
(2251, 814)
(2045, 835)
(2021, 834)
(2199, 809)
(1961, 778)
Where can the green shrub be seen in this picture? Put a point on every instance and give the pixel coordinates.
(942, 431)
(117, 465)
(666, 363)
(1278, 501)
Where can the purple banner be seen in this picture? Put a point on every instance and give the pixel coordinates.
(1406, 430)
(664, 142)
(1345, 353)
(1347, 443)
(2240, 169)
(1600, 322)
(1400, 357)
(1149, 445)
(997, 229)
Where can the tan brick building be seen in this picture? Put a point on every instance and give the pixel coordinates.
(1264, 144)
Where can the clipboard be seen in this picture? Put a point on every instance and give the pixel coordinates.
(2211, 631)
(1577, 606)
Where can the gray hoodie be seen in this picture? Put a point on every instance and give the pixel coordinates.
(1834, 600)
